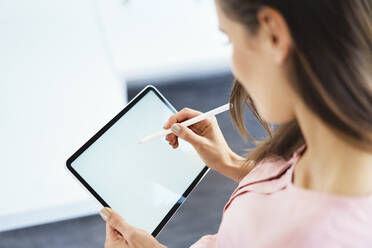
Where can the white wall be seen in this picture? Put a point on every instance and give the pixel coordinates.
(164, 39)
(57, 89)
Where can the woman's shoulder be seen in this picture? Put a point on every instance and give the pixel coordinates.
(271, 175)
(271, 168)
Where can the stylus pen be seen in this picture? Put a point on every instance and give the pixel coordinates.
(189, 122)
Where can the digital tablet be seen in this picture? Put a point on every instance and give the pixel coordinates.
(145, 183)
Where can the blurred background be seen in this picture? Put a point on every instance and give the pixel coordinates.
(66, 68)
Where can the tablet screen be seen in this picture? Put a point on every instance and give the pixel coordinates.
(142, 182)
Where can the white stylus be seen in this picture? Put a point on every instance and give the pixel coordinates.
(189, 122)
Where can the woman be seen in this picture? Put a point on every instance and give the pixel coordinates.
(307, 66)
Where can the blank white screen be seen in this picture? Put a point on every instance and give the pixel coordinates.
(142, 182)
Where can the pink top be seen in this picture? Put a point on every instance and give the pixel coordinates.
(267, 210)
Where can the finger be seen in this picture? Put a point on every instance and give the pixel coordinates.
(175, 145)
(171, 136)
(187, 134)
(115, 220)
(112, 234)
(173, 142)
(172, 119)
(184, 114)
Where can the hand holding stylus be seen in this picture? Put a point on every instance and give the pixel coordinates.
(189, 122)
(207, 139)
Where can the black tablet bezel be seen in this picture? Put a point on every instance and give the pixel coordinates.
(107, 127)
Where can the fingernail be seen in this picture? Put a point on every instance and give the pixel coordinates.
(105, 213)
(175, 128)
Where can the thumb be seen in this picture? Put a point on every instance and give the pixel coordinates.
(186, 134)
(115, 220)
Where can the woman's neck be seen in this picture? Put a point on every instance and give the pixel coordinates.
(331, 163)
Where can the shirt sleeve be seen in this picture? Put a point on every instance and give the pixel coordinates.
(207, 241)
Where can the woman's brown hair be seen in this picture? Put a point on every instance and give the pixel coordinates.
(332, 62)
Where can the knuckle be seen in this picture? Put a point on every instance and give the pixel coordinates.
(171, 120)
(199, 147)
(114, 221)
(131, 235)
(185, 135)
(186, 110)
